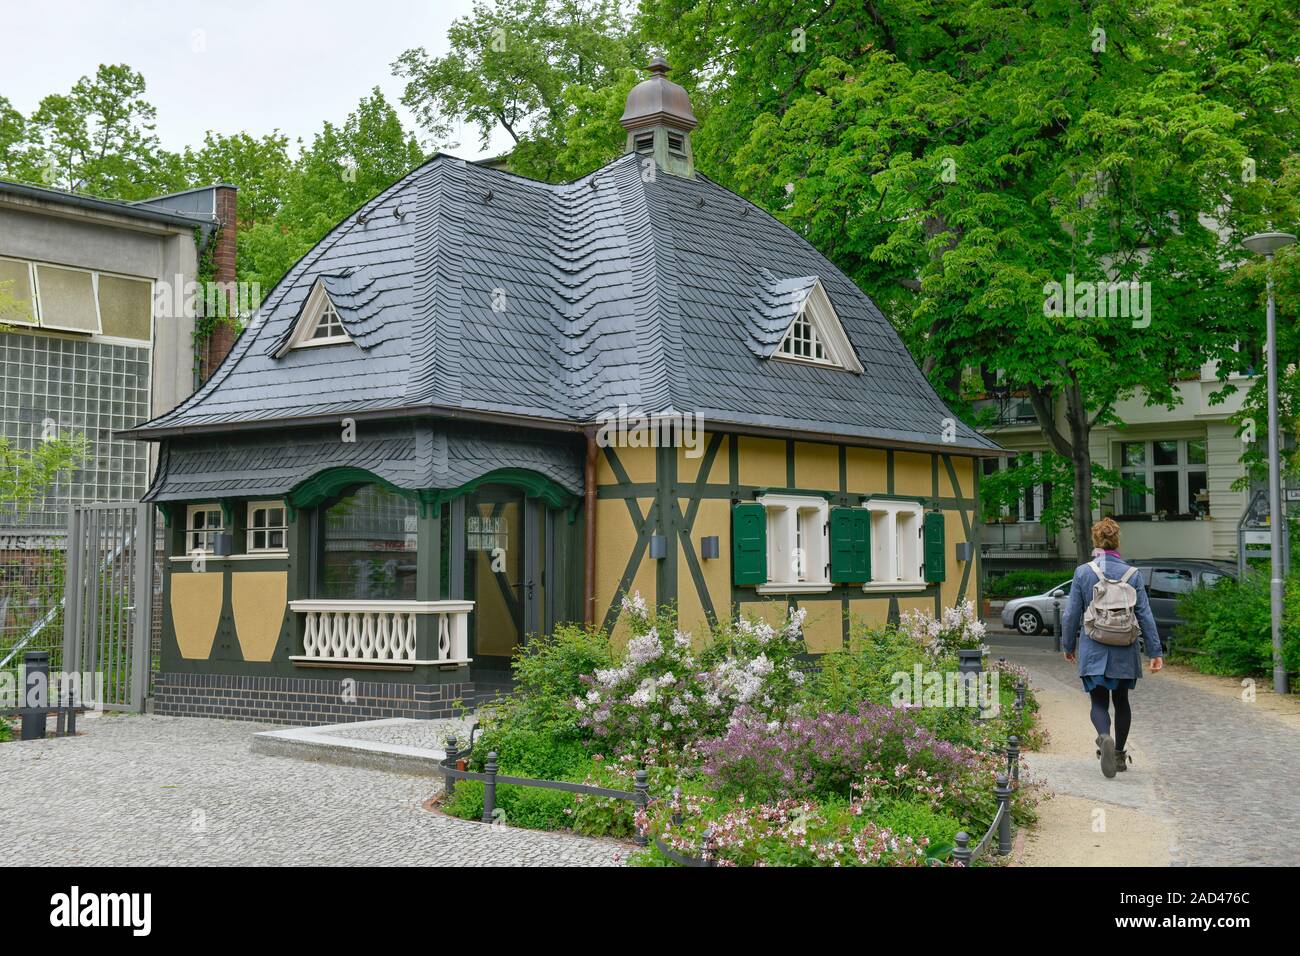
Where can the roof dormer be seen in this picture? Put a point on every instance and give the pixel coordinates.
(318, 323)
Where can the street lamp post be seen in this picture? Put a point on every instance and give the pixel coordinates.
(1267, 244)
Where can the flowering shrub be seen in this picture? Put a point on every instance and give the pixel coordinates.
(787, 833)
(661, 694)
(958, 628)
(881, 750)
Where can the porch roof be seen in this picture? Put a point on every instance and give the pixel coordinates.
(411, 456)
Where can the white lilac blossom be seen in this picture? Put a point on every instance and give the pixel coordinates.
(644, 649)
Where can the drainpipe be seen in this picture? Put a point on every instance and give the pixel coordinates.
(589, 531)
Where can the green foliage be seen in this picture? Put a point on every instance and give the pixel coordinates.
(863, 670)
(1016, 584)
(1230, 625)
(553, 74)
(1002, 491)
(26, 475)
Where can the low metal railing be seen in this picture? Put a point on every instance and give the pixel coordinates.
(490, 778)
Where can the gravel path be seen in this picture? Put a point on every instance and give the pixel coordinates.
(152, 790)
(1224, 773)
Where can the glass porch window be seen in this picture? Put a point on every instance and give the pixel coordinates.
(368, 539)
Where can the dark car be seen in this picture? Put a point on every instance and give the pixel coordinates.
(1166, 580)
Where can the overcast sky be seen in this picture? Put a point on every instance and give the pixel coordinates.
(229, 65)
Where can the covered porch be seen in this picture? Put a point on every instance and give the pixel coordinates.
(420, 551)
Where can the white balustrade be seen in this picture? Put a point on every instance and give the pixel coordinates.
(382, 632)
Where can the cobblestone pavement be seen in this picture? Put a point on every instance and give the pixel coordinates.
(152, 790)
(1227, 776)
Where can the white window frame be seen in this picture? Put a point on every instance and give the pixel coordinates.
(250, 531)
(1038, 492)
(897, 545)
(317, 306)
(796, 521)
(35, 323)
(208, 533)
(819, 314)
(1146, 472)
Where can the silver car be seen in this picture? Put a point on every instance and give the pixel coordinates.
(1033, 614)
(1166, 579)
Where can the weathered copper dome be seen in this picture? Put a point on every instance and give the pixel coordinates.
(658, 100)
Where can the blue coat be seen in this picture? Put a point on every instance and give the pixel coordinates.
(1103, 660)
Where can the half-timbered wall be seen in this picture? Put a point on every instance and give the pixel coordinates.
(644, 492)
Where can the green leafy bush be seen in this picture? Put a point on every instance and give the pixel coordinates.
(1230, 624)
(1016, 584)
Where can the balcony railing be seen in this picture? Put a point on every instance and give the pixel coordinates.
(1021, 537)
(361, 633)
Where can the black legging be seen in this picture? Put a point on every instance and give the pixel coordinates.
(1101, 698)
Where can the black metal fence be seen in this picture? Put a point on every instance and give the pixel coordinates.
(639, 796)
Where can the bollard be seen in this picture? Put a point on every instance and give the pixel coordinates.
(449, 763)
(61, 718)
(706, 846)
(490, 788)
(72, 710)
(1013, 759)
(961, 853)
(1003, 792)
(1056, 626)
(36, 694)
(642, 790)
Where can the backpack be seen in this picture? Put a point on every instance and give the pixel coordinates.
(1110, 618)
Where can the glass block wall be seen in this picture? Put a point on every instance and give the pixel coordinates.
(84, 386)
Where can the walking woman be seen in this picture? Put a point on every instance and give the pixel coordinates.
(1107, 609)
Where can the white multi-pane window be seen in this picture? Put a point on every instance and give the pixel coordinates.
(267, 526)
(798, 557)
(202, 525)
(897, 554)
(1175, 472)
(802, 341)
(330, 326)
(1032, 498)
(486, 532)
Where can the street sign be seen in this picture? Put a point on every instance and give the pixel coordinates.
(1291, 494)
(1256, 537)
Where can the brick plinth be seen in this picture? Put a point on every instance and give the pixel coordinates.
(303, 701)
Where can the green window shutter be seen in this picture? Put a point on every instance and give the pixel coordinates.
(935, 568)
(850, 545)
(749, 543)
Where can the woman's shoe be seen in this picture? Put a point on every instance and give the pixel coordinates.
(1122, 760)
(1106, 751)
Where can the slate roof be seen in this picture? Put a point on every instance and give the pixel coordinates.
(409, 455)
(473, 292)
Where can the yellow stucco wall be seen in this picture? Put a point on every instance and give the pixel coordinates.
(912, 474)
(762, 462)
(865, 471)
(196, 598)
(257, 599)
(816, 466)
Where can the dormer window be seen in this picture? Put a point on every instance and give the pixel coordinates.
(815, 334)
(802, 341)
(318, 323)
(329, 325)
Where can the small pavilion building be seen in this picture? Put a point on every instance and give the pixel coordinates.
(483, 405)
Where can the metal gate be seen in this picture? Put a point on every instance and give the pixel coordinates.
(108, 605)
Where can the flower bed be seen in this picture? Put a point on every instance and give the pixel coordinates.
(779, 766)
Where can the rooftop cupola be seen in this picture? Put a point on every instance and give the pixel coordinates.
(659, 120)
